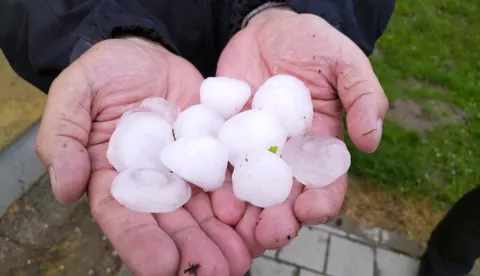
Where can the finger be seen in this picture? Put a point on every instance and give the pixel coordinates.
(315, 206)
(227, 207)
(198, 253)
(229, 242)
(63, 134)
(246, 229)
(277, 225)
(141, 244)
(362, 96)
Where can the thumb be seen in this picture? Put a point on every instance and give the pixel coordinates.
(63, 134)
(362, 97)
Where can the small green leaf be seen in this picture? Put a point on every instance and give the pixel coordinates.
(44, 267)
(246, 159)
(273, 149)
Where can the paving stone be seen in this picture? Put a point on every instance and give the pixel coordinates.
(304, 272)
(394, 264)
(355, 231)
(308, 249)
(349, 258)
(369, 233)
(330, 229)
(401, 244)
(270, 253)
(267, 267)
(363, 234)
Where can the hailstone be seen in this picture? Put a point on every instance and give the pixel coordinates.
(262, 179)
(226, 96)
(201, 160)
(197, 120)
(289, 100)
(316, 160)
(138, 141)
(167, 110)
(252, 130)
(157, 105)
(150, 191)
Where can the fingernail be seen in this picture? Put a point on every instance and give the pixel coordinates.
(380, 124)
(53, 177)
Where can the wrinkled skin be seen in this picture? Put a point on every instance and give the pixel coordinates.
(87, 99)
(340, 78)
(83, 106)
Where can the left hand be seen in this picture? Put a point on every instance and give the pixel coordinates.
(339, 76)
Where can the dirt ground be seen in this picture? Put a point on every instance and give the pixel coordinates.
(369, 206)
(39, 236)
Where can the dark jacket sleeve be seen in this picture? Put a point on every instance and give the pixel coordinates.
(41, 38)
(363, 21)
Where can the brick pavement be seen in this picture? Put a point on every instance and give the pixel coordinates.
(341, 248)
(332, 251)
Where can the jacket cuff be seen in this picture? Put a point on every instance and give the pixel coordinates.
(110, 20)
(245, 10)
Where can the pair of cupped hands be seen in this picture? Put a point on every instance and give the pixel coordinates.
(213, 230)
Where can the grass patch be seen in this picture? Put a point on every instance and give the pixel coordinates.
(429, 51)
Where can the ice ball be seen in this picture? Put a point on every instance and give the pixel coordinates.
(138, 141)
(150, 191)
(197, 120)
(289, 100)
(167, 110)
(157, 105)
(226, 96)
(252, 130)
(201, 160)
(316, 160)
(262, 179)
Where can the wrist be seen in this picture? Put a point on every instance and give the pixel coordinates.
(273, 12)
(145, 43)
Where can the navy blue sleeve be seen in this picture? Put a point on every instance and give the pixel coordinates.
(41, 38)
(363, 21)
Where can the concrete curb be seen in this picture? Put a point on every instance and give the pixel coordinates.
(20, 167)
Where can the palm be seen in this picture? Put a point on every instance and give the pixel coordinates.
(308, 48)
(111, 78)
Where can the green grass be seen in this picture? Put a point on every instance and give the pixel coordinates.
(435, 43)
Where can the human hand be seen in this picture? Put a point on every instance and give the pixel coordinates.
(83, 106)
(339, 76)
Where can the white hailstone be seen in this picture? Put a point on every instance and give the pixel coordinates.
(316, 160)
(289, 100)
(131, 111)
(197, 120)
(157, 105)
(226, 96)
(262, 179)
(138, 141)
(160, 106)
(252, 130)
(150, 191)
(201, 160)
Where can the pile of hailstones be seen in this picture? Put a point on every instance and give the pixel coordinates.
(159, 150)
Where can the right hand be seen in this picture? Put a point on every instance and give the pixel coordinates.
(84, 103)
